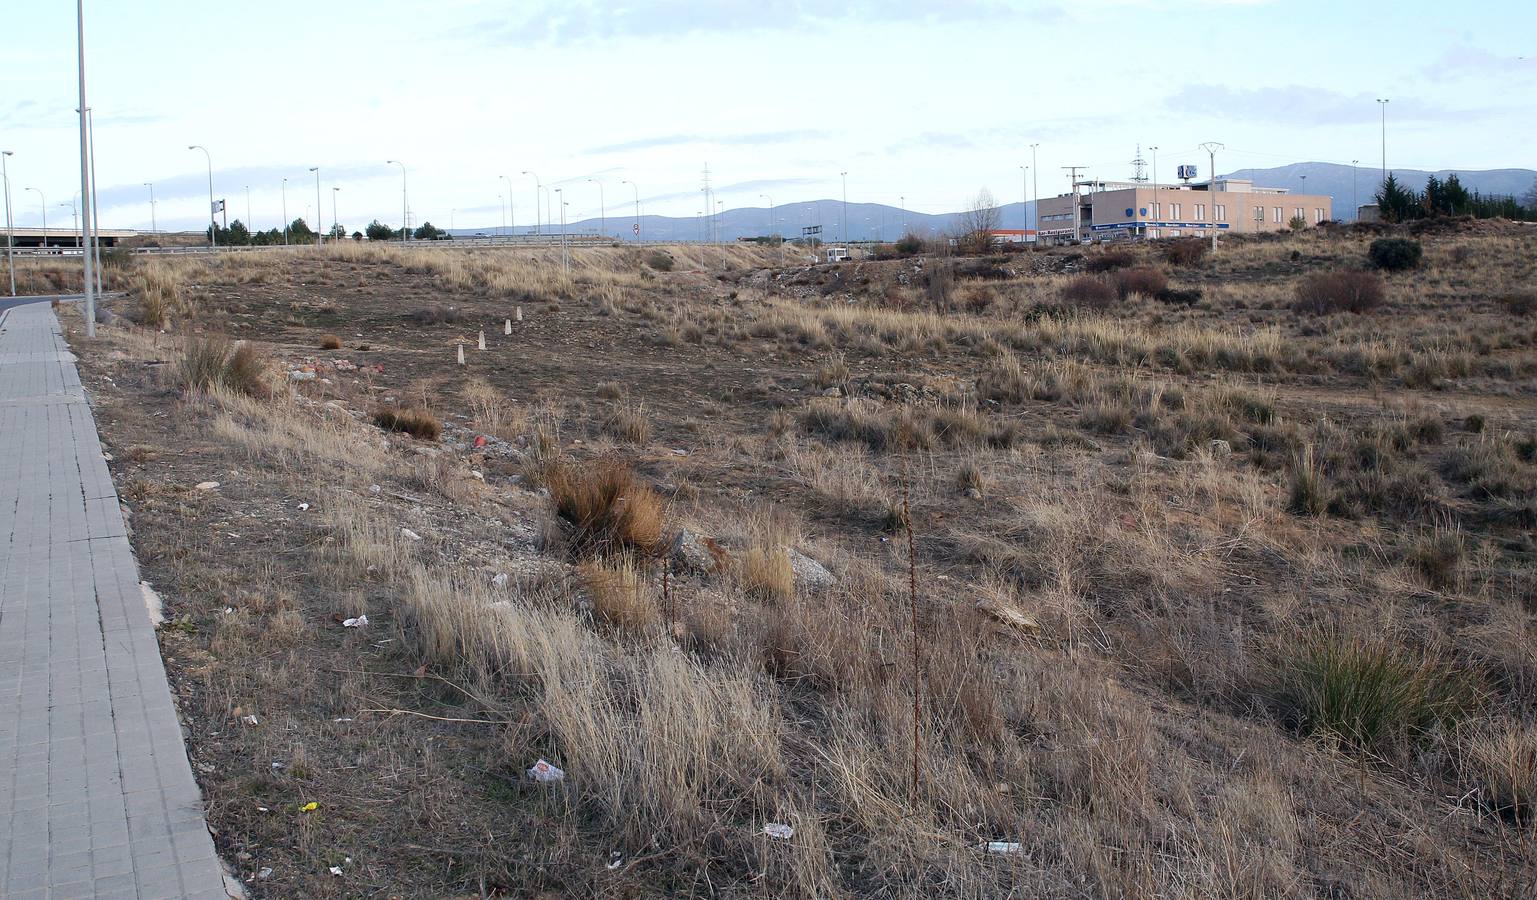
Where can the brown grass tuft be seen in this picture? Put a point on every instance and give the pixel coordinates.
(1343, 291)
(330, 342)
(622, 598)
(607, 507)
(767, 575)
(412, 420)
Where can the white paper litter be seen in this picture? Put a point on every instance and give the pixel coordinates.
(358, 622)
(779, 830)
(1003, 846)
(336, 870)
(250, 720)
(545, 771)
(207, 485)
(410, 534)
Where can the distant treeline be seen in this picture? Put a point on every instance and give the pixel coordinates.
(237, 234)
(1398, 203)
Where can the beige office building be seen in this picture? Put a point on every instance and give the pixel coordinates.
(1108, 210)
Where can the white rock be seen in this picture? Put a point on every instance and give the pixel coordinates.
(410, 534)
(207, 485)
(809, 574)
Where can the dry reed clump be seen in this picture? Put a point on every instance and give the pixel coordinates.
(627, 422)
(1145, 281)
(413, 420)
(621, 594)
(766, 574)
(1497, 758)
(1323, 293)
(1088, 292)
(1186, 252)
(606, 507)
(213, 363)
(1109, 260)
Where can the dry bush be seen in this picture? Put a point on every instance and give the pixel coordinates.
(1088, 292)
(660, 260)
(1369, 694)
(610, 390)
(1144, 280)
(627, 422)
(330, 342)
(413, 420)
(1109, 260)
(621, 594)
(1186, 252)
(765, 573)
(1323, 293)
(437, 314)
(1498, 758)
(213, 363)
(607, 507)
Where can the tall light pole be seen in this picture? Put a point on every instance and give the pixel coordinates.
(637, 207)
(501, 207)
(513, 226)
(213, 225)
(1384, 104)
(602, 208)
(902, 198)
(1036, 185)
(336, 222)
(151, 186)
(85, 164)
(74, 221)
(1211, 148)
(771, 215)
(285, 212)
(93, 222)
(405, 218)
(1024, 192)
(10, 256)
(1355, 201)
(537, 188)
(43, 201)
(561, 200)
(319, 235)
(845, 177)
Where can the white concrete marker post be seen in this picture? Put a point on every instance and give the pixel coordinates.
(507, 327)
(461, 354)
(518, 314)
(481, 344)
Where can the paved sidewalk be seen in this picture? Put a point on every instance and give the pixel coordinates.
(96, 794)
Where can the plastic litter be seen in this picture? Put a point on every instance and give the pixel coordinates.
(499, 579)
(309, 807)
(250, 720)
(410, 534)
(303, 507)
(779, 830)
(480, 440)
(207, 485)
(546, 772)
(264, 873)
(1003, 847)
(358, 622)
(614, 860)
(336, 870)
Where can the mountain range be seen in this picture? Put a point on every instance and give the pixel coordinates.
(1349, 186)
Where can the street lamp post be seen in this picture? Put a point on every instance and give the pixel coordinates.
(74, 221)
(213, 225)
(1024, 192)
(1035, 184)
(319, 235)
(845, 177)
(335, 222)
(1211, 148)
(93, 216)
(43, 201)
(602, 208)
(902, 199)
(10, 256)
(85, 164)
(637, 207)
(285, 212)
(405, 218)
(1155, 210)
(1355, 208)
(151, 186)
(538, 186)
(513, 226)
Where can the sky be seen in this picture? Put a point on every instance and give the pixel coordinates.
(924, 101)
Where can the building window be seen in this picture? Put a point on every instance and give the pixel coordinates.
(1318, 216)
(1221, 212)
(1301, 214)
(1276, 214)
(1200, 212)
(1174, 211)
(1259, 213)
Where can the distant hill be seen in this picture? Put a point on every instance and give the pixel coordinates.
(879, 222)
(1336, 181)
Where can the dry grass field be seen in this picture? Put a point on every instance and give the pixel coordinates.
(1145, 564)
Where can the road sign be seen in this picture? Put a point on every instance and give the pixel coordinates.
(811, 229)
(635, 228)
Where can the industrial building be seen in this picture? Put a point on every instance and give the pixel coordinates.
(1111, 210)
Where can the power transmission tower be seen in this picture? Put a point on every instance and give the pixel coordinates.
(1139, 168)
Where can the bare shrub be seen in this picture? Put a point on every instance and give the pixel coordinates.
(660, 260)
(437, 314)
(413, 420)
(1088, 292)
(1342, 291)
(622, 597)
(330, 342)
(608, 508)
(1109, 260)
(214, 363)
(1144, 280)
(1186, 252)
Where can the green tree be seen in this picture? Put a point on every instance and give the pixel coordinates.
(238, 235)
(1395, 202)
(337, 232)
(299, 232)
(429, 232)
(378, 231)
